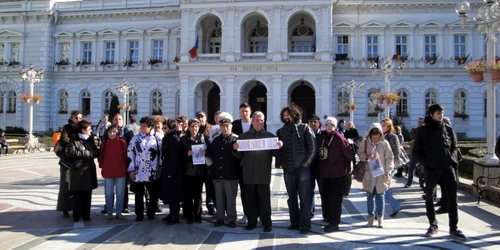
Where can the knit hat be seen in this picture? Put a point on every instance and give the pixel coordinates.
(331, 120)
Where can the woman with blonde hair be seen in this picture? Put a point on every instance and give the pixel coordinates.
(375, 150)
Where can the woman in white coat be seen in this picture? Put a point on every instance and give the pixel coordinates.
(376, 148)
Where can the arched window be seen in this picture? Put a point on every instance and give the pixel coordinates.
(460, 102)
(11, 108)
(108, 96)
(132, 102)
(63, 102)
(258, 39)
(214, 36)
(85, 96)
(302, 39)
(342, 100)
(402, 106)
(372, 101)
(156, 105)
(430, 98)
(2, 97)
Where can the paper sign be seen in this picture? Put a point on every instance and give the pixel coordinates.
(198, 158)
(258, 144)
(376, 168)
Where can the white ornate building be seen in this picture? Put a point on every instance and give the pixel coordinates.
(268, 53)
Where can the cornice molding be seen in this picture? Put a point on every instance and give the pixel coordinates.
(394, 9)
(118, 17)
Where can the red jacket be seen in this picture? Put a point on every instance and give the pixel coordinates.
(339, 156)
(113, 158)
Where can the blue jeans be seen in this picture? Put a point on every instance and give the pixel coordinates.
(298, 182)
(375, 206)
(392, 201)
(6, 148)
(109, 186)
(411, 171)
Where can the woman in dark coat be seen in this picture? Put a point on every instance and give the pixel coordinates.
(82, 177)
(69, 131)
(171, 186)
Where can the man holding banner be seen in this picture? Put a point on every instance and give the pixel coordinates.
(256, 152)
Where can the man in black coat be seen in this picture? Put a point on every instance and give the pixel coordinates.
(256, 166)
(297, 154)
(435, 147)
(315, 124)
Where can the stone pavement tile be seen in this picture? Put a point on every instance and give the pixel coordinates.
(25, 219)
(11, 238)
(72, 239)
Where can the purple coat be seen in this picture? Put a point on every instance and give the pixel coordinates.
(339, 156)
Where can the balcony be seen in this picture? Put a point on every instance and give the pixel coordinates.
(254, 57)
(209, 57)
(301, 56)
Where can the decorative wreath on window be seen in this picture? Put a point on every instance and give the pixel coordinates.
(303, 30)
(218, 32)
(261, 31)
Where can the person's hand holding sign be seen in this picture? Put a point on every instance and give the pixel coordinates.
(280, 144)
(236, 146)
(190, 153)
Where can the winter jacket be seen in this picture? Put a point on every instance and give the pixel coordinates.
(144, 152)
(84, 178)
(125, 133)
(171, 184)
(396, 149)
(435, 145)
(351, 134)
(380, 183)
(315, 163)
(206, 129)
(113, 158)
(256, 165)
(102, 127)
(339, 158)
(238, 127)
(299, 146)
(187, 161)
(224, 164)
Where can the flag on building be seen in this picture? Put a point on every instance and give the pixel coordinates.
(194, 50)
(313, 46)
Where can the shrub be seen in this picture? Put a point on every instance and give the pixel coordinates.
(15, 130)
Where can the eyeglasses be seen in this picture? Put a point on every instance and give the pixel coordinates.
(329, 125)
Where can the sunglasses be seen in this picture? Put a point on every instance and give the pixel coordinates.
(330, 125)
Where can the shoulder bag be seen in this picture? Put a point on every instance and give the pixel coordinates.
(323, 151)
(359, 170)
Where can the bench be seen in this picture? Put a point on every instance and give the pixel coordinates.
(481, 187)
(14, 146)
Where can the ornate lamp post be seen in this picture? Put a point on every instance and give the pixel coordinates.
(487, 20)
(31, 76)
(351, 88)
(125, 89)
(388, 72)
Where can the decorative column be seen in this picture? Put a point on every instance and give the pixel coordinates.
(184, 95)
(229, 93)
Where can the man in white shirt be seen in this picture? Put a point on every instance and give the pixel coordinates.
(102, 126)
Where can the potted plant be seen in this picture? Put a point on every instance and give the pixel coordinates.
(25, 97)
(36, 98)
(343, 113)
(350, 106)
(124, 107)
(176, 59)
(371, 59)
(462, 115)
(495, 70)
(379, 109)
(379, 96)
(392, 98)
(476, 69)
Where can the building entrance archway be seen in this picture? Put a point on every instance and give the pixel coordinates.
(213, 103)
(304, 97)
(257, 98)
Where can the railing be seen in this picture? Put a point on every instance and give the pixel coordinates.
(254, 56)
(301, 56)
(208, 57)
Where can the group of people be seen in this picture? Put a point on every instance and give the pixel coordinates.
(171, 159)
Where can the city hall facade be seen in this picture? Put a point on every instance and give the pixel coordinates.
(190, 55)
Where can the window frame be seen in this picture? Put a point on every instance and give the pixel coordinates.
(461, 46)
(107, 98)
(157, 51)
(403, 46)
(83, 100)
(429, 45)
(86, 52)
(429, 100)
(63, 101)
(374, 46)
(342, 100)
(131, 55)
(110, 52)
(132, 101)
(460, 108)
(156, 102)
(2, 101)
(344, 46)
(403, 106)
(11, 101)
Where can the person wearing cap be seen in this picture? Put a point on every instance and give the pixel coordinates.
(225, 171)
(333, 172)
(204, 126)
(256, 167)
(297, 154)
(315, 124)
(373, 148)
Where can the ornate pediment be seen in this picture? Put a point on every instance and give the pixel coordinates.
(373, 25)
(64, 34)
(85, 33)
(344, 25)
(402, 24)
(108, 32)
(157, 31)
(431, 24)
(459, 25)
(132, 32)
(4, 33)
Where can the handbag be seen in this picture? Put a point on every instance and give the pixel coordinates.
(73, 164)
(323, 151)
(347, 184)
(59, 148)
(359, 170)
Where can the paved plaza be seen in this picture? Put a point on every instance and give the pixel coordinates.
(28, 220)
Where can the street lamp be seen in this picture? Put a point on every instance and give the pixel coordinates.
(32, 76)
(351, 88)
(388, 72)
(125, 88)
(487, 20)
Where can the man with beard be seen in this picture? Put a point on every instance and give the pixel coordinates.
(297, 154)
(126, 133)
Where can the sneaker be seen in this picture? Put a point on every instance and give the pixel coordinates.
(432, 231)
(125, 211)
(120, 217)
(407, 186)
(457, 234)
(109, 217)
(244, 220)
